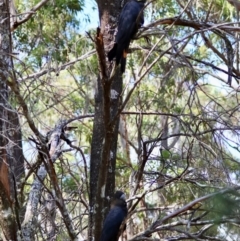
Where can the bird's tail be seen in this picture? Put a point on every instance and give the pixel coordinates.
(123, 61)
(112, 53)
(120, 55)
(123, 64)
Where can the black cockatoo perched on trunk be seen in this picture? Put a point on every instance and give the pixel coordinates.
(115, 217)
(130, 20)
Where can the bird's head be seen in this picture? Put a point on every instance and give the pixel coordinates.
(119, 195)
(119, 199)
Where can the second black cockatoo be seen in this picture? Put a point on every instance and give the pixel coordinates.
(130, 20)
(115, 217)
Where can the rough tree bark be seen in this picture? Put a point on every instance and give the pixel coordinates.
(11, 157)
(106, 121)
(47, 157)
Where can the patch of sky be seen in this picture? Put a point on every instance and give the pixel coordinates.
(218, 80)
(76, 158)
(89, 16)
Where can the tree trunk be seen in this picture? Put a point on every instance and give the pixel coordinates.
(11, 157)
(105, 130)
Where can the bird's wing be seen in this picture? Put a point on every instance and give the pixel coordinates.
(127, 22)
(112, 224)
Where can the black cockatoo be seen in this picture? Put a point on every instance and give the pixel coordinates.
(130, 20)
(115, 217)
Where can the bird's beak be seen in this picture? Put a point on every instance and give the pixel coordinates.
(123, 197)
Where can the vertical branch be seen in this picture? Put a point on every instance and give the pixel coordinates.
(50, 214)
(49, 157)
(11, 157)
(106, 175)
(95, 161)
(28, 229)
(105, 129)
(237, 37)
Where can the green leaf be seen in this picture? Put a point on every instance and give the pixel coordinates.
(166, 154)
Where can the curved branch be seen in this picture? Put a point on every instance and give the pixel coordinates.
(154, 227)
(62, 67)
(29, 14)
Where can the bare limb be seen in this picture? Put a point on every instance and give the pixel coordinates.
(29, 14)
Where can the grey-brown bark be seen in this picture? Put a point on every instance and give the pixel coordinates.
(105, 132)
(11, 157)
(48, 156)
(50, 216)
